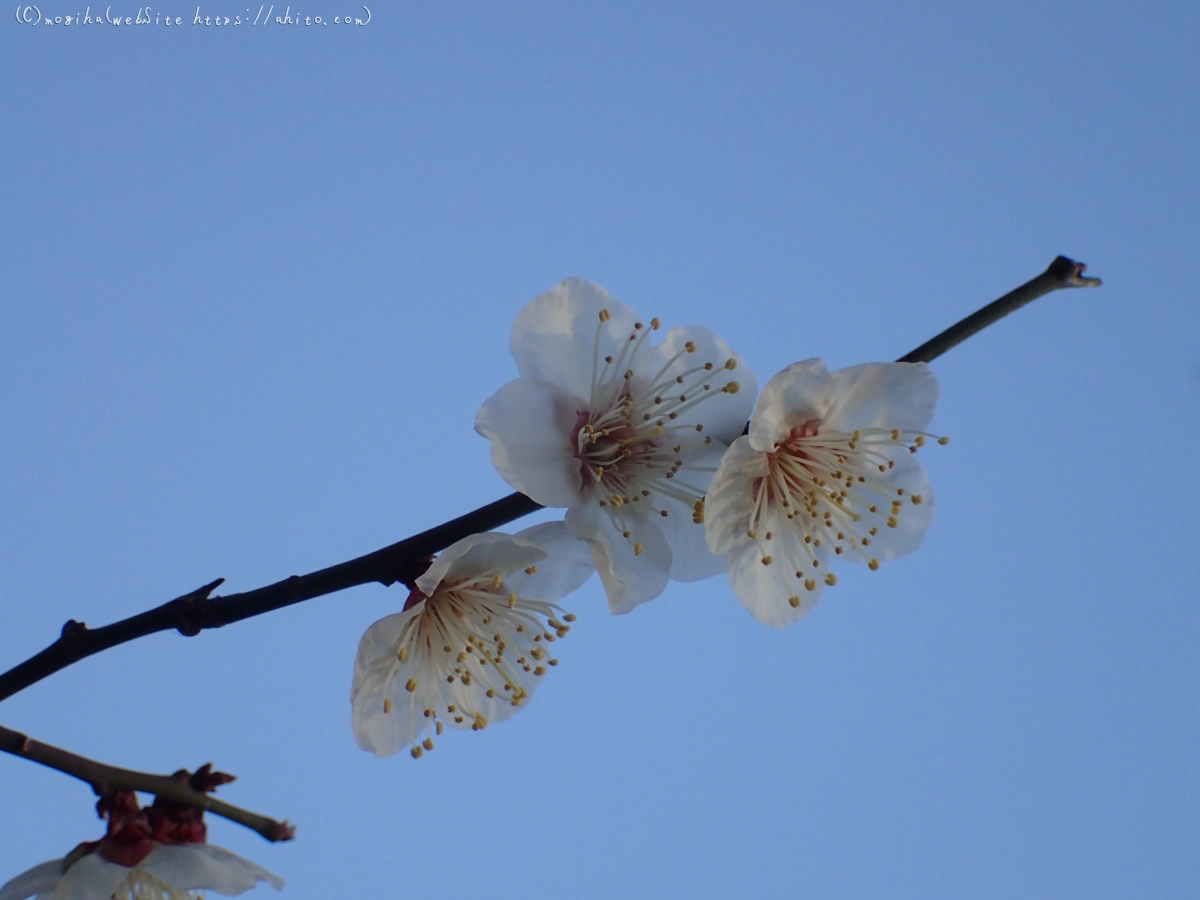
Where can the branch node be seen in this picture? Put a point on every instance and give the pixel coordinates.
(73, 630)
(187, 604)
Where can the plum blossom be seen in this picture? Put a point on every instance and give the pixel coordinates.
(826, 471)
(623, 433)
(473, 641)
(156, 853)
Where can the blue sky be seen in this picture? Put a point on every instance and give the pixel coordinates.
(257, 282)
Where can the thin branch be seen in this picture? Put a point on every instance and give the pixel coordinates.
(403, 561)
(106, 779)
(1062, 273)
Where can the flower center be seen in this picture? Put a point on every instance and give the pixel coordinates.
(630, 448)
(474, 642)
(834, 491)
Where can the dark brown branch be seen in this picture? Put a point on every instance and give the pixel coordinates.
(402, 561)
(106, 779)
(1062, 273)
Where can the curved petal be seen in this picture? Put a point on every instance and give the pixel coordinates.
(882, 395)
(568, 563)
(630, 578)
(529, 423)
(775, 580)
(721, 413)
(92, 877)
(554, 336)
(378, 644)
(40, 879)
(912, 520)
(691, 559)
(204, 867)
(489, 552)
(730, 500)
(800, 392)
(386, 733)
(766, 591)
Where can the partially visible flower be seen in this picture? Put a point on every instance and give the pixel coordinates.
(156, 853)
(623, 433)
(473, 641)
(827, 471)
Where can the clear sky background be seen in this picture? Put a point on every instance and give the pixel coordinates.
(256, 282)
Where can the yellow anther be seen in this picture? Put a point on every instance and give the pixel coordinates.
(480, 722)
(794, 602)
(387, 705)
(512, 600)
(569, 617)
(810, 584)
(537, 652)
(752, 534)
(605, 315)
(655, 323)
(531, 570)
(617, 500)
(417, 752)
(831, 579)
(410, 685)
(490, 692)
(919, 440)
(539, 671)
(495, 581)
(637, 549)
(892, 521)
(731, 364)
(767, 560)
(439, 728)
(427, 743)
(552, 662)
(873, 565)
(732, 387)
(895, 434)
(943, 441)
(917, 498)
(402, 654)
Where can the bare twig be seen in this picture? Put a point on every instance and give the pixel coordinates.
(1062, 273)
(106, 779)
(192, 613)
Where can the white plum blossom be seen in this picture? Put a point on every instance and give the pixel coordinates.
(473, 641)
(624, 433)
(826, 471)
(168, 872)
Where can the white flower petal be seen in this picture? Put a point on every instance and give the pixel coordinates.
(913, 520)
(882, 395)
(204, 867)
(691, 559)
(800, 392)
(722, 413)
(40, 879)
(554, 336)
(378, 645)
(382, 733)
(476, 554)
(92, 877)
(633, 569)
(730, 500)
(530, 423)
(774, 593)
(568, 563)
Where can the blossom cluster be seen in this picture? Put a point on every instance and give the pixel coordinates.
(645, 444)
